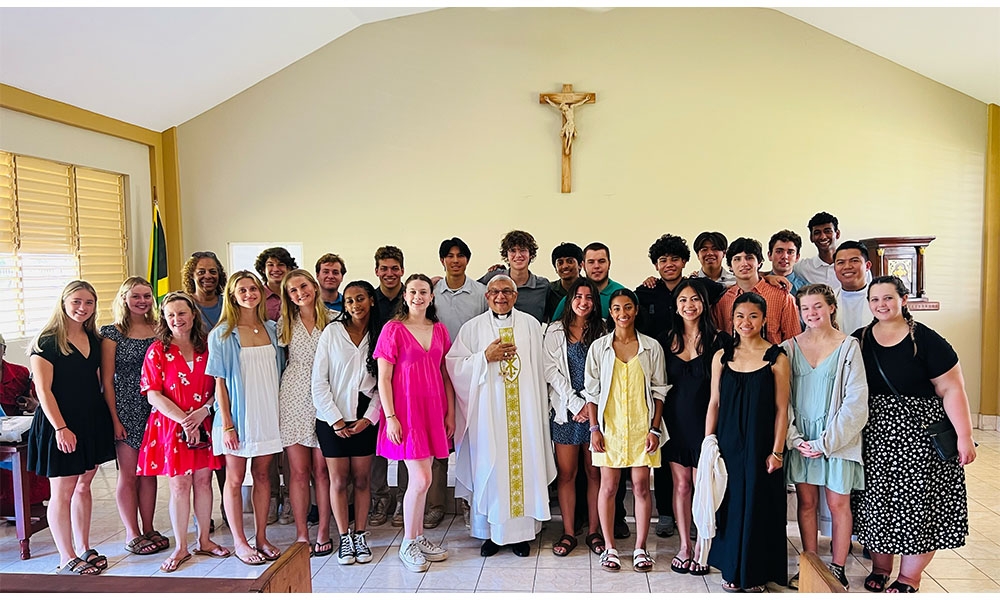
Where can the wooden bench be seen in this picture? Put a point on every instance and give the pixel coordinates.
(289, 574)
(815, 577)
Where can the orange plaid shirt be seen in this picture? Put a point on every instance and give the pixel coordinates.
(782, 314)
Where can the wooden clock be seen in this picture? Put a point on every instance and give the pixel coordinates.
(904, 258)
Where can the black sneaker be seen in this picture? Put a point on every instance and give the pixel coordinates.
(838, 572)
(621, 530)
(313, 517)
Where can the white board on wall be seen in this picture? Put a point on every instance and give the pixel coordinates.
(242, 255)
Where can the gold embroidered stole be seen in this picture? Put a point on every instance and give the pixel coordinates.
(510, 369)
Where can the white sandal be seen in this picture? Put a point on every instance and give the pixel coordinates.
(610, 561)
(642, 561)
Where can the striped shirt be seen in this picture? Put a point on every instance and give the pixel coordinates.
(782, 314)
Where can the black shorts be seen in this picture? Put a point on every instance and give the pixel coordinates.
(334, 446)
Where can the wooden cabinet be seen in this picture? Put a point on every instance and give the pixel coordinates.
(904, 258)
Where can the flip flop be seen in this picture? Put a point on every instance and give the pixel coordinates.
(680, 565)
(171, 564)
(217, 552)
(322, 549)
(270, 554)
(253, 559)
(698, 569)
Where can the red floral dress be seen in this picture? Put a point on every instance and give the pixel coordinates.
(162, 452)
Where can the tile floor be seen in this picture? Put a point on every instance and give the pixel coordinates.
(972, 568)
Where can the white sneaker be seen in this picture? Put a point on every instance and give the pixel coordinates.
(431, 551)
(412, 558)
(362, 552)
(346, 554)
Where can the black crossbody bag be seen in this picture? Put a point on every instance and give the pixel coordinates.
(943, 436)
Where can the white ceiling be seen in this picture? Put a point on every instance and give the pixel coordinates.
(74, 54)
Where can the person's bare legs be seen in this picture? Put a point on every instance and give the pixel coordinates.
(202, 485)
(260, 470)
(340, 472)
(606, 504)
(127, 490)
(843, 524)
(297, 481)
(59, 515)
(321, 490)
(236, 467)
(567, 458)
(180, 514)
(882, 563)
(911, 568)
(807, 496)
(593, 490)
(415, 497)
(83, 510)
(643, 504)
(361, 470)
(683, 491)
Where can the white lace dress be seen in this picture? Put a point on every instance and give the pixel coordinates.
(296, 412)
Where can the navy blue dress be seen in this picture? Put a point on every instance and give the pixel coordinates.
(749, 547)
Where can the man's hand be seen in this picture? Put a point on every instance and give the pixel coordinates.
(498, 351)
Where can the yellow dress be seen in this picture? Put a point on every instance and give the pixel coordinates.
(626, 420)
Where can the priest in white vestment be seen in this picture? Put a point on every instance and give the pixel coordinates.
(503, 449)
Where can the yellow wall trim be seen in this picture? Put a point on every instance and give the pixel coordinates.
(167, 192)
(990, 378)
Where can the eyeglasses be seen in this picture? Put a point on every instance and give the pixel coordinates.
(495, 293)
(205, 254)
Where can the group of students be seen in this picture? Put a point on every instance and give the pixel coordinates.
(712, 374)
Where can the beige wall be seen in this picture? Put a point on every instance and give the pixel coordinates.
(31, 136)
(742, 120)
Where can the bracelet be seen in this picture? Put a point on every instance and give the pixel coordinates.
(335, 430)
(778, 455)
(655, 432)
(63, 427)
(228, 429)
(391, 417)
(594, 428)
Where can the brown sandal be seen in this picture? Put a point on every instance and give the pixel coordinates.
(564, 546)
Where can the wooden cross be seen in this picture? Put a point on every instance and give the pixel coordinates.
(566, 101)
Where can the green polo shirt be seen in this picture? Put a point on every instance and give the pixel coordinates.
(611, 288)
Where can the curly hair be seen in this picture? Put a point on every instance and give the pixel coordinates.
(187, 273)
(277, 253)
(567, 250)
(669, 245)
(519, 239)
(822, 218)
(785, 235)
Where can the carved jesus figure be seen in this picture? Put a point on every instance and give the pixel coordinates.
(568, 131)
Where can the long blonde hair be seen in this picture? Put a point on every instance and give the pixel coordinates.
(119, 306)
(290, 310)
(231, 309)
(56, 325)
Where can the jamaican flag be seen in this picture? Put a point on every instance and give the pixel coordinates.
(158, 258)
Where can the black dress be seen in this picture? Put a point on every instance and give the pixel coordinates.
(749, 547)
(686, 404)
(132, 407)
(913, 502)
(76, 386)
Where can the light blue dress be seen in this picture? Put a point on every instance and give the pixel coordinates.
(811, 393)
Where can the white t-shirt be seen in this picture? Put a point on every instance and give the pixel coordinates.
(852, 310)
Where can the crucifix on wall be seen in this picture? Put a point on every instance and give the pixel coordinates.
(566, 102)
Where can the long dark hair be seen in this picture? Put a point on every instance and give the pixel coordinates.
(374, 323)
(199, 339)
(706, 325)
(593, 325)
(403, 309)
(631, 296)
(902, 290)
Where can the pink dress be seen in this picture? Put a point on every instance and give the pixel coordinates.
(162, 452)
(417, 391)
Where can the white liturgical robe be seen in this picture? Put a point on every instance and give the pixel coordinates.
(503, 450)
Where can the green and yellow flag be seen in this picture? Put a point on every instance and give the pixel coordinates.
(158, 258)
